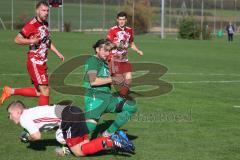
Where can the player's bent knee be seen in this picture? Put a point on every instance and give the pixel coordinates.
(91, 125)
(44, 90)
(133, 109)
(130, 107)
(128, 81)
(126, 105)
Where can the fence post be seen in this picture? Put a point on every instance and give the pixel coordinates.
(12, 15)
(221, 14)
(62, 16)
(192, 7)
(214, 18)
(170, 12)
(162, 20)
(104, 15)
(80, 15)
(202, 20)
(133, 5)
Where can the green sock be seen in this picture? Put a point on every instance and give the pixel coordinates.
(122, 118)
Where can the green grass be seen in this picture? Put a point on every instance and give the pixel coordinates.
(195, 121)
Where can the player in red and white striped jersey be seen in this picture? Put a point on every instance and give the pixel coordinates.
(122, 36)
(36, 34)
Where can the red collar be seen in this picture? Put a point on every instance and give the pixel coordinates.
(121, 28)
(42, 23)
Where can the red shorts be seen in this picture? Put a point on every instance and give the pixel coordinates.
(76, 140)
(37, 73)
(120, 67)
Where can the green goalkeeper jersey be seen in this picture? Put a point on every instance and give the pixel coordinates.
(100, 67)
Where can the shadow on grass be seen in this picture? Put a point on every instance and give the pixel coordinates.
(41, 145)
(110, 152)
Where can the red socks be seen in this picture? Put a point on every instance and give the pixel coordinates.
(29, 92)
(43, 100)
(96, 145)
(123, 91)
(32, 92)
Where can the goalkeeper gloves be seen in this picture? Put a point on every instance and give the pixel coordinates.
(62, 151)
(24, 137)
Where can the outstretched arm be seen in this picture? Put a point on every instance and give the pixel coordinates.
(134, 47)
(54, 49)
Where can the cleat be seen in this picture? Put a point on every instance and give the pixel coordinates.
(120, 144)
(62, 151)
(124, 136)
(5, 94)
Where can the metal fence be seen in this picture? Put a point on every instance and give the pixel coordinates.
(98, 15)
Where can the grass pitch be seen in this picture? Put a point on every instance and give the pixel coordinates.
(196, 120)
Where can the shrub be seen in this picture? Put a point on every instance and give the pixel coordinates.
(67, 27)
(189, 29)
(206, 33)
(142, 15)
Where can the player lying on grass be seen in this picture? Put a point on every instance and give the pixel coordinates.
(98, 97)
(36, 34)
(71, 120)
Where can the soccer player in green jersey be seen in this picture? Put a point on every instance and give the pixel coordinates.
(98, 97)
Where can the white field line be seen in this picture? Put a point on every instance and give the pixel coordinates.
(197, 74)
(206, 74)
(25, 74)
(173, 82)
(192, 82)
(181, 82)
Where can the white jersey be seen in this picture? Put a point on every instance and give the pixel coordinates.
(39, 118)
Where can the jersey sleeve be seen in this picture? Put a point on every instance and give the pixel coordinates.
(26, 30)
(91, 65)
(27, 123)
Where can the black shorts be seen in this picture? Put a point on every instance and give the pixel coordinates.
(73, 122)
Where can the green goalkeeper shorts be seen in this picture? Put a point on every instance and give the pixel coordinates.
(99, 102)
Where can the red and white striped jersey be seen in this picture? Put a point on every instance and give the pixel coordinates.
(39, 118)
(124, 37)
(38, 52)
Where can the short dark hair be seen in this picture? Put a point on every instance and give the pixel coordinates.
(14, 103)
(42, 2)
(122, 14)
(103, 43)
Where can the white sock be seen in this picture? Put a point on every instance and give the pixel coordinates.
(106, 134)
